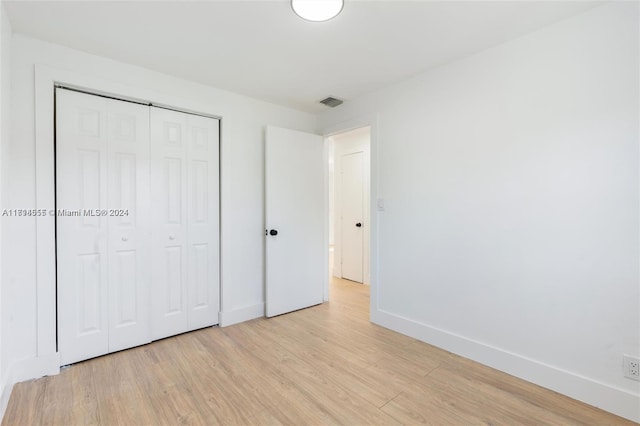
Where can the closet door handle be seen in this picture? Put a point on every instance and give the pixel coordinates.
(125, 238)
(358, 225)
(172, 237)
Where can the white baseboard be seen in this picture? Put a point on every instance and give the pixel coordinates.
(27, 369)
(609, 398)
(33, 368)
(240, 315)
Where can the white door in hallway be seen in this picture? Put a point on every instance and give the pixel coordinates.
(102, 149)
(294, 215)
(352, 202)
(184, 193)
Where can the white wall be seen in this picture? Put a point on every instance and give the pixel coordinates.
(5, 119)
(243, 122)
(345, 143)
(511, 223)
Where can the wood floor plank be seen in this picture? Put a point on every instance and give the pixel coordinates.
(317, 388)
(318, 381)
(177, 405)
(25, 403)
(72, 400)
(510, 399)
(121, 399)
(411, 408)
(276, 370)
(467, 404)
(326, 365)
(348, 373)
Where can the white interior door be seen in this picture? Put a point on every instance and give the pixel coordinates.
(203, 234)
(169, 241)
(352, 175)
(138, 234)
(128, 226)
(101, 160)
(184, 193)
(294, 208)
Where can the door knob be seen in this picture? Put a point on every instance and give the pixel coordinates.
(358, 225)
(125, 238)
(273, 232)
(172, 237)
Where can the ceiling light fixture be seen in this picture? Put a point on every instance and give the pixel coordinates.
(317, 10)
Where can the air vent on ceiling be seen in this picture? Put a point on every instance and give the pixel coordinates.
(331, 102)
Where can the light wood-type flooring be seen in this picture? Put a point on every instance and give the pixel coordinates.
(322, 365)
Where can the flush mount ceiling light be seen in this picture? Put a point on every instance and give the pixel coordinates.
(317, 10)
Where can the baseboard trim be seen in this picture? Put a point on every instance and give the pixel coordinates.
(609, 398)
(240, 315)
(33, 368)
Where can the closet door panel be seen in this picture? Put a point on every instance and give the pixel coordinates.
(128, 223)
(169, 206)
(137, 190)
(203, 221)
(81, 190)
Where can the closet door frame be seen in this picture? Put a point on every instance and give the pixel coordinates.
(47, 360)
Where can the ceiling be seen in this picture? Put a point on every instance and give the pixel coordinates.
(261, 49)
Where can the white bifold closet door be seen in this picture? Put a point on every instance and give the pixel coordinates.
(103, 245)
(137, 230)
(184, 188)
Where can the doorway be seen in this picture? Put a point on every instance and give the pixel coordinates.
(349, 205)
